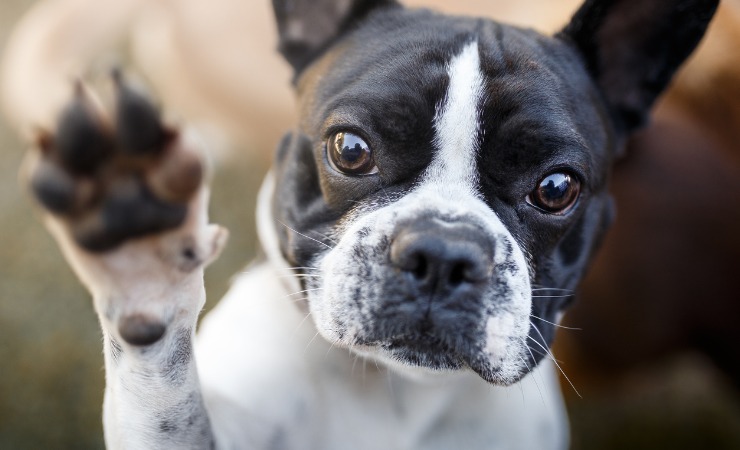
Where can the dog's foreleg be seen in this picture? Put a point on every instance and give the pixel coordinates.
(124, 197)
(152, 397)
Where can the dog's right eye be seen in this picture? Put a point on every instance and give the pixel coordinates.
(350, 154)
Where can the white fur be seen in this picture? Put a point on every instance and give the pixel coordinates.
(457, 125)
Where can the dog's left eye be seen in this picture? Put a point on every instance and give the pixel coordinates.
(350, 154)
(555, 193)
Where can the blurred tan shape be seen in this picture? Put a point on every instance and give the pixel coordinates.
(214, 63)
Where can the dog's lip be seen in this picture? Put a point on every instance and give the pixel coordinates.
(420, 342)
(425, 355)
(431, 351)
(415, 348)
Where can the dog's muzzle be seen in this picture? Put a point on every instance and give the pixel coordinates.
(442, 269)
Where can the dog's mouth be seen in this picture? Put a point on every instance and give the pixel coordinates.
(426, 351)
(438, 354)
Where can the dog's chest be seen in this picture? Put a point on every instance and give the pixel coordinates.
(267, 375)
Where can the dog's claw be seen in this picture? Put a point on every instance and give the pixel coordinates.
(139, 126)
(82, 142)
(112, 185)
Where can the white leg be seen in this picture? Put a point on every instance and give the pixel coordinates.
(134, 228)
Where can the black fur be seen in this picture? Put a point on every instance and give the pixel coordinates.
(633, 49)
(323, 21)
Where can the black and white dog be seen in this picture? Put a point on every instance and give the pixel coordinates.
(429, 218)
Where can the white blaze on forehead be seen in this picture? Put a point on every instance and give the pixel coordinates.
(448, 190)
(457, 124)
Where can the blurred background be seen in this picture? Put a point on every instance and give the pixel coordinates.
(657, 359)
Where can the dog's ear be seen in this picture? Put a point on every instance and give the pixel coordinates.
(308, 27)
(633, 48)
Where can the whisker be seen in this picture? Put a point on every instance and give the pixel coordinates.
(301, 323)
(330, 239)
(301, 268)
(542, 374)
(303, 291)
(310, 342)
(553, 358)
(521, 389)
(529, 369)
(329, 351)
(376, 365)
(549, 356)
(553, 296)
(307, 237)
(556, 324)
(354, 362)
(539, 352)
(284, 269)
(553, 289)
(302, 275)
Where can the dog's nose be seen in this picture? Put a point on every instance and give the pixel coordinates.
(440, 255)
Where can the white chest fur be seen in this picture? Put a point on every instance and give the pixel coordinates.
(269, 380)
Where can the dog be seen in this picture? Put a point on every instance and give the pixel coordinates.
(431, 216)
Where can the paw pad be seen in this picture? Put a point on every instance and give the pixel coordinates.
(111, 181)
(141, 330)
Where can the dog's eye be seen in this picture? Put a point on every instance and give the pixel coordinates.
(555, 193)
(350, 155)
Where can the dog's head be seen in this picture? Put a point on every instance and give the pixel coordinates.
(446, 187)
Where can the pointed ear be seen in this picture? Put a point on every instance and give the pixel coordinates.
(632, 48)
(308, 27)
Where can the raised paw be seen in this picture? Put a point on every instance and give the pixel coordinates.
(112, 180)
(127, 203)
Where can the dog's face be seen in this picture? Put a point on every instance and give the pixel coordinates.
(447, 185)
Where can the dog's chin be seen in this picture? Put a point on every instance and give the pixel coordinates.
(427, 358)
